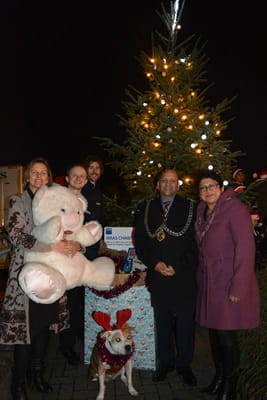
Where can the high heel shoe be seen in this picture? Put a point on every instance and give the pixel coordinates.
(227, 390)
(37, 377)
(18, 390)
(214, 386)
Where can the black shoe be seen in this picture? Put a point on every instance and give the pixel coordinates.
(72, 357)
(37, 377)
(161, 373)
(214, 386)
(18, 391)
(187, 376)
(227, 390)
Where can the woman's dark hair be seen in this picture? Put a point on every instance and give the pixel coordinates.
(204, 174)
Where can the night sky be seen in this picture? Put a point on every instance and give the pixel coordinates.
(65, 67)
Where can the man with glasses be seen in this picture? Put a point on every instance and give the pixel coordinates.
(164, 238)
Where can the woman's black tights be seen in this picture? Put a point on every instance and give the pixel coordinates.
(224, 350)
(226, 357)
(28, 358)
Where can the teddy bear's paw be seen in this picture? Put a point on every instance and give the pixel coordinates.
(42, 283)
(95, 229)
(89, 234)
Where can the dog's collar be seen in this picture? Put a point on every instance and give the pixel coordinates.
(109, 358)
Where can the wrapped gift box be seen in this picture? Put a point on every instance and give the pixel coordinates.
(137, 298)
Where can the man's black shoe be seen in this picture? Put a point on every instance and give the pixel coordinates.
(187, 376)
(72, 357)
(160, 375)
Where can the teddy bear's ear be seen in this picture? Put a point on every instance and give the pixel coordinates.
(39, 195)
(83, 201)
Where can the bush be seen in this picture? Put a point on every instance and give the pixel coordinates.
(252, 382)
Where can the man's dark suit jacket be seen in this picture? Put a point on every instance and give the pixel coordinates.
(178, 291)
(94, 197)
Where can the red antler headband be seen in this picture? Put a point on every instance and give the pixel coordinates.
(103, 319)
(122, 317)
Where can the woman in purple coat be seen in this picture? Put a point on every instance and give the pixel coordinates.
(228, 295)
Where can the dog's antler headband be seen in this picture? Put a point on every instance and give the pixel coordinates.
(103, 319)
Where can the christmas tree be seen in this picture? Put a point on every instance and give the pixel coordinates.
(171, 124)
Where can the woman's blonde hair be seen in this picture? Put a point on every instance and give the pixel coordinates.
(27, 169)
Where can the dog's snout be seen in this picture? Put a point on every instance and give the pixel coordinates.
(128, 348)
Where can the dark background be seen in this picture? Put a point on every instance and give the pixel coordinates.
(65, 67)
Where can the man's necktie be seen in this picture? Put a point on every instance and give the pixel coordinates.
(165, 210)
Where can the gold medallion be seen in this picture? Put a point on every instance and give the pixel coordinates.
(161, 235)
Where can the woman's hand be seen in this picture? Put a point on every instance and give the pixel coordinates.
(234, 299)
(67, 247)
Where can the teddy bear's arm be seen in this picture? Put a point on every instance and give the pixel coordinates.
(89, 234)
(50, 231)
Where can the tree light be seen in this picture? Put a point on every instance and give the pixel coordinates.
(188, 181)
(210, 167)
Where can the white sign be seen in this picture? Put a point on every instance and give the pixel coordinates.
(118, 238)
(121, 239)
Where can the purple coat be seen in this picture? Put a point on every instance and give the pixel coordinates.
(226, 266)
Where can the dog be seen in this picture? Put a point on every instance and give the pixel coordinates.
(112, 353)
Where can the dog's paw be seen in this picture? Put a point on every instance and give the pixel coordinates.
(133, 392)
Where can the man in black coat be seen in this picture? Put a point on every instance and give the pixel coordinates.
(164, 239)
(93, 194)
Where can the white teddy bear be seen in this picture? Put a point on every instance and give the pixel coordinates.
(46, 275)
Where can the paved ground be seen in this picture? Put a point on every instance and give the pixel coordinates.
(70, 383)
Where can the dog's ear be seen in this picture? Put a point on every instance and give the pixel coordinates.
(104, 335)
(122, 317)
(102, 319)
(126, 327)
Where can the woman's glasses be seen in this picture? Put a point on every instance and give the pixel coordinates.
(211, 187)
